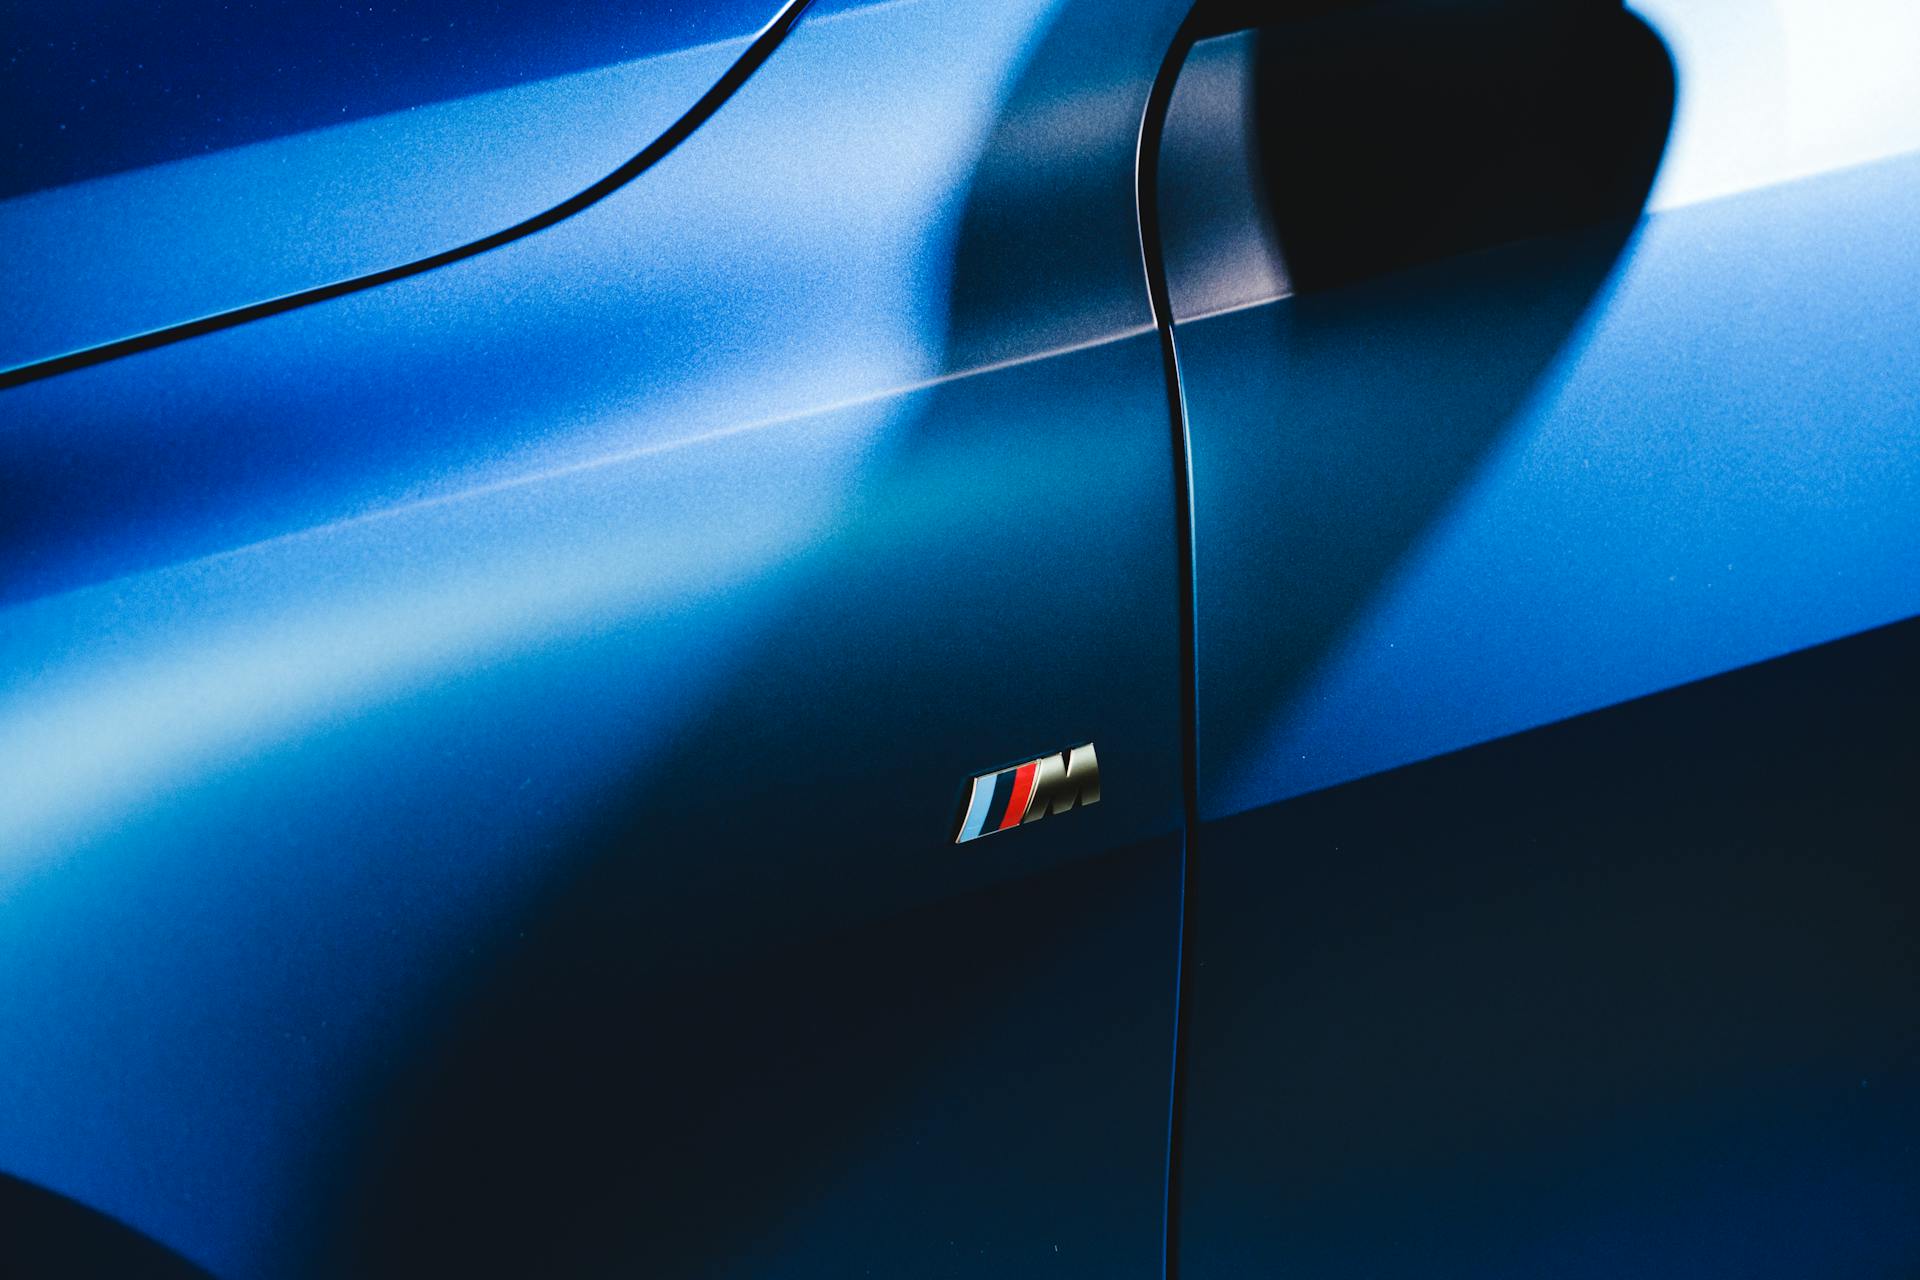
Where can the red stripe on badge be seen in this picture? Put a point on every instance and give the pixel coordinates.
(1022, 792)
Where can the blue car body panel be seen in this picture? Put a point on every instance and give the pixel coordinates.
(156, 180)
(1673, 496)
(1545, 918)
(1628, 994)
(478, 756)
(100, 89)
(647, 589)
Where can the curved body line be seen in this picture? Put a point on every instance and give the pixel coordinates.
(757, 51)
(1153, 263)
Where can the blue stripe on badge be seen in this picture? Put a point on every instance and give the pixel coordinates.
(978, 807)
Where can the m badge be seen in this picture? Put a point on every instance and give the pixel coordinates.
(1026, 792)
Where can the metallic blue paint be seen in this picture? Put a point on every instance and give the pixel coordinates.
(220, 225)
(100, 88)
(408, 695)
(849, 265)
(136, 251)
(1459, 502)
(1691, 484)
(477, 756)
(1551, 909)
(1629, 994)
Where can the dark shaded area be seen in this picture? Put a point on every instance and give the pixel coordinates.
(1048, 254)
(828, 1106)
(1405, 132)
(1451, 186)
(93, 88)
(1635, 994)
(44, 1235)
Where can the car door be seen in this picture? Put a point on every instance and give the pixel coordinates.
(1548, 373)
(484, 748)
